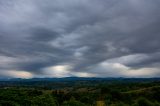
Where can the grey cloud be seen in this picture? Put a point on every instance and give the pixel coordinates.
(81, 33)
(42, 34)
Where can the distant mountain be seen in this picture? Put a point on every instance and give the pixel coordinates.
(81, 79)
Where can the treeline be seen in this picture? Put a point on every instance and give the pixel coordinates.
(112, 94)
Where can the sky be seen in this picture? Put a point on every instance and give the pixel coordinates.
(79, 38)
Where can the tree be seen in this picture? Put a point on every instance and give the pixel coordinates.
(44, 100)
(73, 102)
(143, 102)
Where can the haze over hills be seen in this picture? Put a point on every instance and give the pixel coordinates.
(80, 79)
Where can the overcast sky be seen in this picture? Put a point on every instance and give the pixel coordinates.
(82, 38)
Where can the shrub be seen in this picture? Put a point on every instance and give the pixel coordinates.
(143, 102)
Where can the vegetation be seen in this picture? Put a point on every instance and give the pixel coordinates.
(80, 93)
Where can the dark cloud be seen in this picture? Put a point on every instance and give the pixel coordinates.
(42, 34)
(80, 37)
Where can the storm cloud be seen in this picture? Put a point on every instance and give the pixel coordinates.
(83, 38)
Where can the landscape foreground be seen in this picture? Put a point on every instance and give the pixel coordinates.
(74, 91)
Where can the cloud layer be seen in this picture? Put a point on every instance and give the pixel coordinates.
(84, 38)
